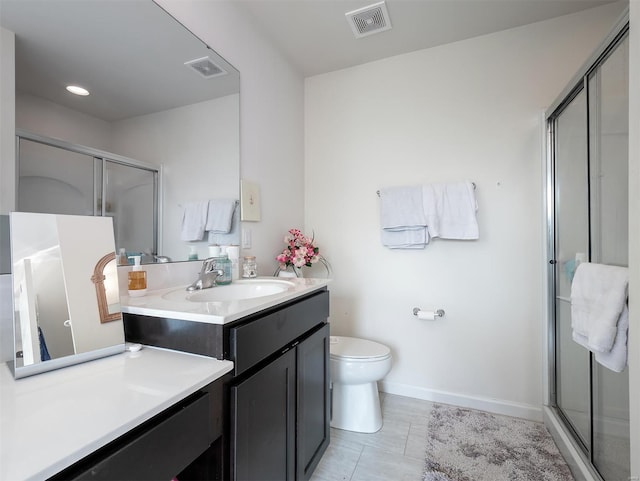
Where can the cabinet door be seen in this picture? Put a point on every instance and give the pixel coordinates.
(313, 401)
(263, 423)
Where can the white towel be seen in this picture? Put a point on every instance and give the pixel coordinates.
(616, 359)
(194, 218)
(450, 210)
(232, 236)
(405, 239)
(402, 218)
(598, 296)
(220, 215)
(401, 208)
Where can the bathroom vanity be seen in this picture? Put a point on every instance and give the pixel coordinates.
(277, 423)
(150, 414)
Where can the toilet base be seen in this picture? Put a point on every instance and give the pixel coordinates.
(356, 407)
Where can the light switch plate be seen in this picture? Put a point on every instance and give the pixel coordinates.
(246, 238)
(249, 201)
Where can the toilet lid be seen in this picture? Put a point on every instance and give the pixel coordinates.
(354, 348)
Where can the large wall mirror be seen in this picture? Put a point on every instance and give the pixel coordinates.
(65, 289)
(159, 97)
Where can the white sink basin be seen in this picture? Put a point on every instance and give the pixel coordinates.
(237, 290)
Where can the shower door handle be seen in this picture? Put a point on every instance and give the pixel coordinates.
(553, 261)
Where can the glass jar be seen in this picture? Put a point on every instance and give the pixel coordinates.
(223, 263)
(249, 267)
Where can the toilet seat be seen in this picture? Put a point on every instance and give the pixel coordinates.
(354, 349)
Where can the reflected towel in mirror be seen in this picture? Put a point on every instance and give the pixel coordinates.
(220, 215)
(194, 220)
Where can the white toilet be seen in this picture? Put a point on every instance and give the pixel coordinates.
(356, 367)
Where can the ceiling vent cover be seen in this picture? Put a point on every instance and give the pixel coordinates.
(205, 67)
(368, 20)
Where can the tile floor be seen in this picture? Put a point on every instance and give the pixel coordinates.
(396, 452)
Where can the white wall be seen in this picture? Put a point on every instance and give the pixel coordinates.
(467, 110)
(271, 118)
(634, 234)
(47, 118)
(197, 146)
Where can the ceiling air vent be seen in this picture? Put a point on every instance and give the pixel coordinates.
(368, 20)
(205, 67)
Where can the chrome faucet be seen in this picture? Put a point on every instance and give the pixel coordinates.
(208, 275)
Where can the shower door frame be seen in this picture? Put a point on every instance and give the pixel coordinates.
(103, 157)
(578, 84)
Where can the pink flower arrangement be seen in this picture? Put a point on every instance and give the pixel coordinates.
(300, 251)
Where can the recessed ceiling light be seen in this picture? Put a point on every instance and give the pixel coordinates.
(74, 89)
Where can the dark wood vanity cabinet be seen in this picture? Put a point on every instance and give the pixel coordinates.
(185, 440)
(279, 399)
(280, 414)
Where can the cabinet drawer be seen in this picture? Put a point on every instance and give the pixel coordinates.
(257, 339)
(157, 452)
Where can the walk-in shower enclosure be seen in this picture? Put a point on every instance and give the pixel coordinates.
(587, 197)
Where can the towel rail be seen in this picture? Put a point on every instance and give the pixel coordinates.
(472, 183)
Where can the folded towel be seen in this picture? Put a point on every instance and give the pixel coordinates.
(416, 238)
(194, 219)
(220, 215)
(230, 237)
(616, 359)
(598, 297)
(450, 210)
(401, 208)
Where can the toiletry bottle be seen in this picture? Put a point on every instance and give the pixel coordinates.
(233, 252)
(193, 253)
(224, 264)
(249, 267)
(137, 284)
(122, 257)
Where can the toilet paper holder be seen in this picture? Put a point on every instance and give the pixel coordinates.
(437, 312)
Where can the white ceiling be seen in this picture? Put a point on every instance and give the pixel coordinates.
(129, 53)
(316, 38)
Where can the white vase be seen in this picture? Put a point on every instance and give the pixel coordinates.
(290, 272)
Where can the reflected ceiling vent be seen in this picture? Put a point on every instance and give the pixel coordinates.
(369, 20)
(205, 67)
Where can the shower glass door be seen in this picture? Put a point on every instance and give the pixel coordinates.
(608, 154)
(589, 135)
(571, 193)
(56, 177)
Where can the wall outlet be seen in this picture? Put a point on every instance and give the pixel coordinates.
(246, 238)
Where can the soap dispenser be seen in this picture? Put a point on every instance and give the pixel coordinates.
(137, 285)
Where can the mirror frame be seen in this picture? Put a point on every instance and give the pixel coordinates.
(98, 279)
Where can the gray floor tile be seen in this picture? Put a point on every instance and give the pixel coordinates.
(392, 437)
(378, 465)
(338, 463)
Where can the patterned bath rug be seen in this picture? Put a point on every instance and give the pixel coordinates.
(469, 445)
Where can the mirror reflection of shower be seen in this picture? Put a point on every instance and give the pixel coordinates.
(57, 315)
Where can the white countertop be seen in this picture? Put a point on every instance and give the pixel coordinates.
(220, 312)
(51, 420)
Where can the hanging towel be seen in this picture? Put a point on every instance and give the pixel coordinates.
(598, 297)
(402, 218)
(194, 220)
(220, 215)
(405, 239)
(401, 208)
(616, 359)
(450, 210)
(232, 236)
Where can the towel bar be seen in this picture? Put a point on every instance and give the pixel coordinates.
(472, 183)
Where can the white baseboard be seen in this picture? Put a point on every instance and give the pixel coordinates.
(496, 406)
